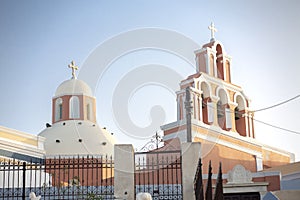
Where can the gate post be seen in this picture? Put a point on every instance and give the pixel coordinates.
(124, 171)
(190, 152)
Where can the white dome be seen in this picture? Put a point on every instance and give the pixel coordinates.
(76, 137)
(73, 86)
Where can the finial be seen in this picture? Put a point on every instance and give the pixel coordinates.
(212, 29)
(74, 67)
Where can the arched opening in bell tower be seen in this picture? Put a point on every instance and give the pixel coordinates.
(219, 62)
(240, 120)
(221, 107)
(205, 96)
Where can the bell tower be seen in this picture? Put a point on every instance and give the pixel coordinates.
(213, 60)
(73, 100)
(216, 102)
(215, 112)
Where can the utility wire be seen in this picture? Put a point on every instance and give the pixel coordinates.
(262, 122)
(278, 104)
(278, 127)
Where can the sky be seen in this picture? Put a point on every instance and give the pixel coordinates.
(38, 39)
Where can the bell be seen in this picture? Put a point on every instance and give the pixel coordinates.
(237, 114)
(220, 110)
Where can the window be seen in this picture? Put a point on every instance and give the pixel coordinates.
(74, 108)
(88, 111)
(58, 109)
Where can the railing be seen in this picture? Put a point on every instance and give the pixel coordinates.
(80, 177)
(159, 173)
(198, 183)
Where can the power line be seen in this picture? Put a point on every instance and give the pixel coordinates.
(278, 127)
(278, 104)
(262, 122)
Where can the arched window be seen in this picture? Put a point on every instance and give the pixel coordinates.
(88, 112)
(74, 109)
(58, 109)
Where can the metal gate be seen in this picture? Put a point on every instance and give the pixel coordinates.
(80, 177)
(159, 173)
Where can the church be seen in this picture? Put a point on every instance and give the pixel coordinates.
(211, 110)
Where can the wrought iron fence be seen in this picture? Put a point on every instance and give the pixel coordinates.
(80, 177)
(159, 173)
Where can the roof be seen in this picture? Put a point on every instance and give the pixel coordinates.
(73, 86)
(286, 169)
(77, 137)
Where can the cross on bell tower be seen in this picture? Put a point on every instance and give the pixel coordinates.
(212, 29)
(73, 67)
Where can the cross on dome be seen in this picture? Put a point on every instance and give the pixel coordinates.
(73, 67)
(212, 29)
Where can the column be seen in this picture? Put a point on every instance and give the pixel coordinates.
(232, 106)
(124, 171)
(250, 124)
(215, 67)
(191, 152)
(207, 61)
(200, 107)
(247, 123)
(215, 100)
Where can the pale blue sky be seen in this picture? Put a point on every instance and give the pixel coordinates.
(38, 39)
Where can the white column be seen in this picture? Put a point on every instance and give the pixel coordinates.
(191, 152)
(200, 107)
(232, 107)
(215, 67)
(210, 112)
(207, 62)
(228, 118)
(259, 162)
(213, 108)
(197, 63)
(246, 122)
(124, 171)
(250, 125)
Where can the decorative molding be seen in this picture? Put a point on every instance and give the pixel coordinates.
(239, 175)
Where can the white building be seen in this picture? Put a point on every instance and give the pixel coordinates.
(74, 129)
